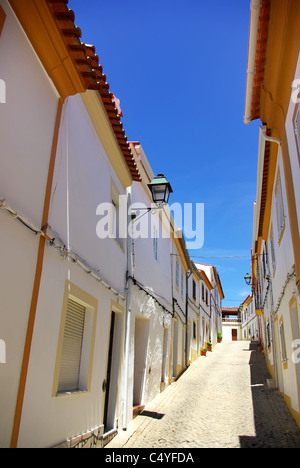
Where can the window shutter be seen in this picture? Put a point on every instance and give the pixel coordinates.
(282, 339)
(273, 250)
(279, 207)
(72, 347)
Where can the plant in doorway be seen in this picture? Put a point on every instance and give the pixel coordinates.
(209, 346)
(219, 337)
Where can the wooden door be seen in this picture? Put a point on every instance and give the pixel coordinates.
(106, 386)
(234, 334)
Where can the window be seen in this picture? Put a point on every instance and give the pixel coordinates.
(73, 370)
(202, 292)
(194, 330)
(177, 274)
(194, 290)
(72, 347)
(279, 207)
(182, 283)
(268, 336)
(265, 261)
(282, 342)
(273, 258)
(117, 216)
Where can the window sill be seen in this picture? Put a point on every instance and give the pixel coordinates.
(72, 392)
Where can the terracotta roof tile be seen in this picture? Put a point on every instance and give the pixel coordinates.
(91, 72)
(261, 48)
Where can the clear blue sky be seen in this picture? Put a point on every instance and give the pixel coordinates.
(179, 70)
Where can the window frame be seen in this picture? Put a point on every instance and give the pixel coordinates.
(118, 217)
(282, 342)
(296, 124)
(182, 284)
(194, 290)
(90, 303)
(272, 248)
(279, 205)
(177, 274)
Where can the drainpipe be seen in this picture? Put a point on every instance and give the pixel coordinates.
(188, 274)
(254, 22)
(128, 313)
(269, 138)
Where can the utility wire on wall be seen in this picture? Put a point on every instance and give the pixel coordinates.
(144, 289)
(60, 247)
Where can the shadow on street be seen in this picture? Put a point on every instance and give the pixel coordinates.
(275, 427)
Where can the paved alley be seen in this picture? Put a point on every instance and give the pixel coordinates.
(221, 401)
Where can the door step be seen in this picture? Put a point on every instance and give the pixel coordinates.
(108, 436)
(137, 410)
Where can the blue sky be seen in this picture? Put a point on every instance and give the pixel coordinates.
(179, 70)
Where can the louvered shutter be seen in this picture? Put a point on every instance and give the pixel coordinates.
(279, 207)
(72, 347)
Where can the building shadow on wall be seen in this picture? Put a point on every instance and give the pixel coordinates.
(274, 424)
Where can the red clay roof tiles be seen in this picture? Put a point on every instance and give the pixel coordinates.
(261, 47)
(87, 63)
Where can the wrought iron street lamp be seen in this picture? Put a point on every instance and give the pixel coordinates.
(248, 279)
(160, 189)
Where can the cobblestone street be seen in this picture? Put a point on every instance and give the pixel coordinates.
(221, 401)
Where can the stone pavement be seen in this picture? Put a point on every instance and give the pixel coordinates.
(221, 401)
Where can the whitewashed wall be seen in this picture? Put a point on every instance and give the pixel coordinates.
(82, 180)
(277, 298)
(26, 131)
(293, 151)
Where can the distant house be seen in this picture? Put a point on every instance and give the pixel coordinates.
(211, 295)
(251, 322)
(231, 324)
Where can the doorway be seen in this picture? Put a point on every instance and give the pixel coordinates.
(175, 348)
(164, 355)
(234, 334)
(141, 336)
(110, 384)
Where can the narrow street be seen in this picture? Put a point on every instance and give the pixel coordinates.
(221, 401)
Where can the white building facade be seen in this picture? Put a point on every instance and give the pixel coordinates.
(63, 299)
(272, 95)
(250, 321)
(98, 312)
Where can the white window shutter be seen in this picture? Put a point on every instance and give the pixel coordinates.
(72, 348)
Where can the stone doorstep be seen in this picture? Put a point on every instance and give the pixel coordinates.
(137, 410)
(92, 439)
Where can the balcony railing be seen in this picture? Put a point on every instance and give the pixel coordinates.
(234, 320)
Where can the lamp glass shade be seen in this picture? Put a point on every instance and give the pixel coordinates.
(160, 189)
(247, 278)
